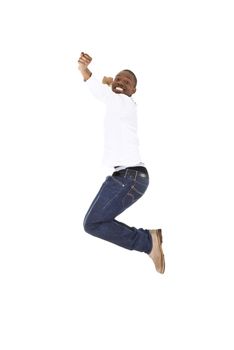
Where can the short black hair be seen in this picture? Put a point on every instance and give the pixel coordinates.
(134, 77)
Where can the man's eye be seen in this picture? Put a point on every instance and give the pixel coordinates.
(126, 82)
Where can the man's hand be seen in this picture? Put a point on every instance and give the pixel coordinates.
(107, 80)
(83, 63)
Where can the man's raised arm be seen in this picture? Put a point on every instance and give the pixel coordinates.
(83, 63)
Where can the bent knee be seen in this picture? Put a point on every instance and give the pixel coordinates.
(89, 226)
(86, 225)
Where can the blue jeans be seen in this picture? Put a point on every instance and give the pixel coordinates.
(116, 194)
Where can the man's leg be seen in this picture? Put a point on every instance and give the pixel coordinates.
(115, 196)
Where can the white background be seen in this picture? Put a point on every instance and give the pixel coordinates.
(61, 288)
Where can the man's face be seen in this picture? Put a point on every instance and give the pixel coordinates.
(124, 83)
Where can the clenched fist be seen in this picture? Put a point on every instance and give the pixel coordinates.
(84, 61)
(107, 80)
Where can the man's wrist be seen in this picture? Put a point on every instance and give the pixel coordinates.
(86, 73)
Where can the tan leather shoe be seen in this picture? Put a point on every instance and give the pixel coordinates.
(156, 253)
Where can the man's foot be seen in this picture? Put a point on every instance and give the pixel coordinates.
(156, 253)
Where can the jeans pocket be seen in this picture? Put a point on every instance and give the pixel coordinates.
(135, 192)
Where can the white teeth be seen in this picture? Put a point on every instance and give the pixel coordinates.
(119, 88)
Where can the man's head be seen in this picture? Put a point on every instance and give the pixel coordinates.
(125, 83)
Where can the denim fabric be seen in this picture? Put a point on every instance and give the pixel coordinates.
(116, 194)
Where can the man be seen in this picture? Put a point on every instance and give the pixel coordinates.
(130, 179)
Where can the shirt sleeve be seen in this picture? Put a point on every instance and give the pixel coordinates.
(99, 90)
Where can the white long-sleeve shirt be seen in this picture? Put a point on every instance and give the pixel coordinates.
(121, 146)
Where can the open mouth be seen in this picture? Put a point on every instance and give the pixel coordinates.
(119, 89)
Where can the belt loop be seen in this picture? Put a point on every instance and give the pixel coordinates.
(126, 173)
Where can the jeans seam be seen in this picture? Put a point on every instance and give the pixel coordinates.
(119, 182)
(134, 188)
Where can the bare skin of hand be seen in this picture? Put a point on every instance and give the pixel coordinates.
(107, 80)
(83, 63)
